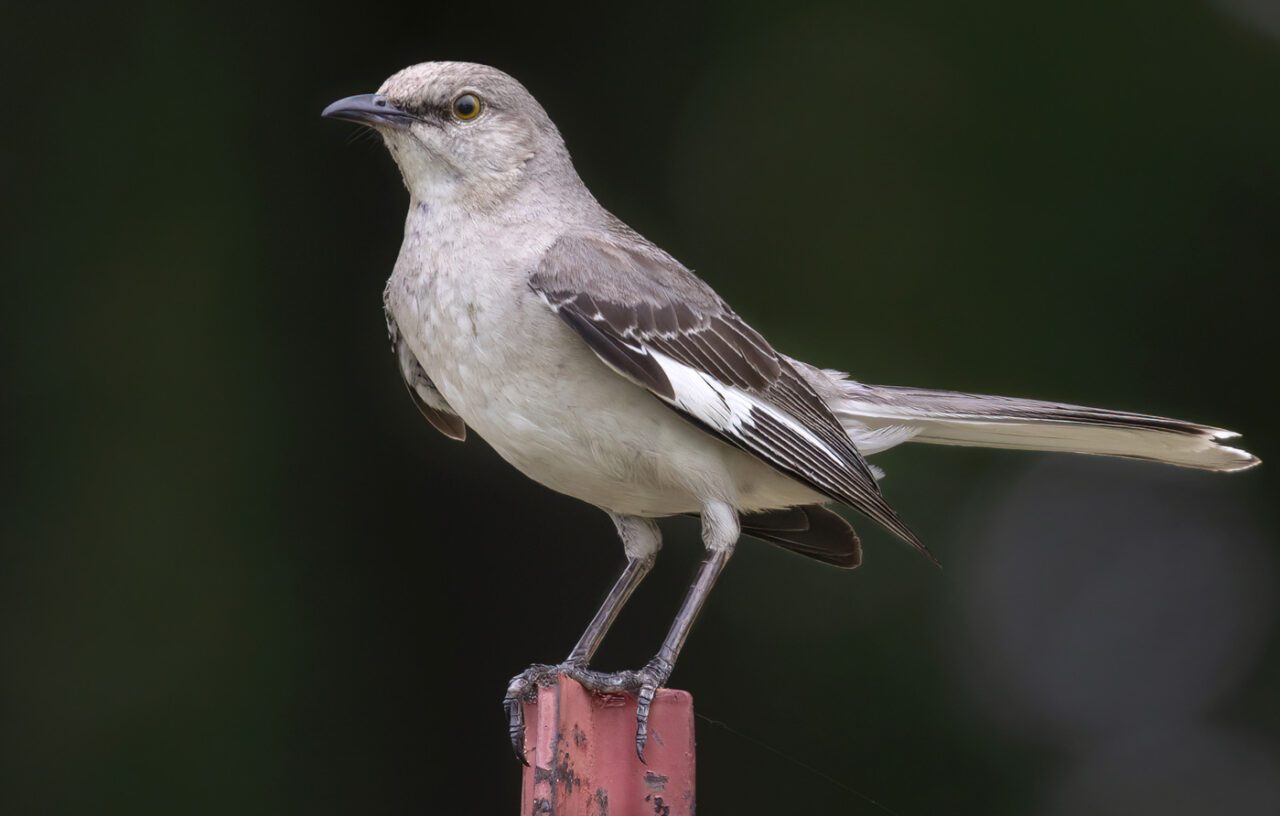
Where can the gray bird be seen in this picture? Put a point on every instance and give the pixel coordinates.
(601, 367)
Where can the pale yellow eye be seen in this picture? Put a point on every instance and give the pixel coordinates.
(466, 107)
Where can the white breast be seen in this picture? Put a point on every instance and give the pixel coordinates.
(527, 385)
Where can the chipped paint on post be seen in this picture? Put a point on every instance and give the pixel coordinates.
(582, 759)
(655, 782)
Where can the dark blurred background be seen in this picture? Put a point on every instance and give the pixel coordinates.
(240, 575)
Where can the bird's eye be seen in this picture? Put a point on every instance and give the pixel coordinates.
(466, 107)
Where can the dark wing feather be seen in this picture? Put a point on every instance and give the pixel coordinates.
(629, 301)
(812, 531)
(430, 402)
(627, 359)
(451, 425)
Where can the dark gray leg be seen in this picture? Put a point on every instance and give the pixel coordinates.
(641, 540)
(632, 574)
(720, 535)
(659, 669)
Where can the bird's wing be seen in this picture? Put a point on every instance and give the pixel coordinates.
(812, 530)
(431, 403)
(655, 323)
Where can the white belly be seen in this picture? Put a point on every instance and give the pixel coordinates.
(533, 390)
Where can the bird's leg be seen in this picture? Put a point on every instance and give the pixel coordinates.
(719, 534)
(720, 531)
(641, 540)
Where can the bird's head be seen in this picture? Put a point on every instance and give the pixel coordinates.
(459, 130)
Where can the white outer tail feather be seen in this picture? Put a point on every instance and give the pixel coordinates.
(880, 417)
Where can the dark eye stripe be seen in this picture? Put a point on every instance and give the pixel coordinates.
(426, 110)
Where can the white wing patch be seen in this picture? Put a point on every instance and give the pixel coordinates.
(725, 408)
(703, 397)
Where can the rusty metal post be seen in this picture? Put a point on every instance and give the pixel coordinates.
(582, 754)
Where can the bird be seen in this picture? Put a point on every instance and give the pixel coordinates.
(598, 365)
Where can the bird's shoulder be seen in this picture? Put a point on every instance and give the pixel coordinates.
(614, 262)
(625, 295)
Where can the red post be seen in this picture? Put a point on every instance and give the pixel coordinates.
(581, 749)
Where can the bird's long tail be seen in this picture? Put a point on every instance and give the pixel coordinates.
(879, 416)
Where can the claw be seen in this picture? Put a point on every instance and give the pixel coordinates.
(651, 677)
(644, 699)
(644, 683)
(515, 726)
(521, 690)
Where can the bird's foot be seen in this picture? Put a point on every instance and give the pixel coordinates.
(522, 689)
(644, 683)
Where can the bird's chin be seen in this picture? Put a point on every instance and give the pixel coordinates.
(425, 173)
(416, 140)
(408, 151)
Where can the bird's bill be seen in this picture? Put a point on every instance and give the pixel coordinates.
(371, 110)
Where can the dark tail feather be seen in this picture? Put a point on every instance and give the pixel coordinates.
(812, 531)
